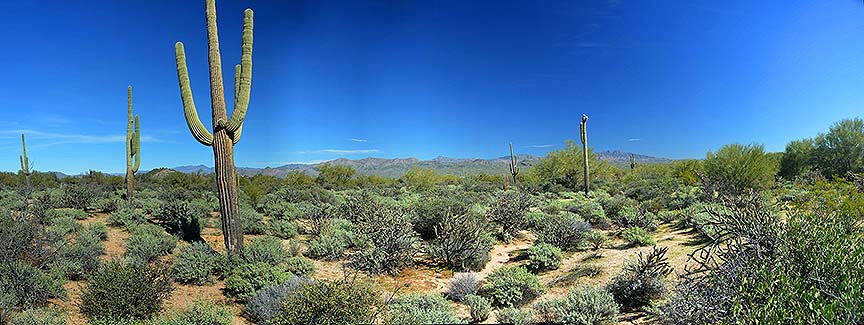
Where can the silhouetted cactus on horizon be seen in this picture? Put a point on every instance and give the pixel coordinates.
(226, 132)
(514, 167)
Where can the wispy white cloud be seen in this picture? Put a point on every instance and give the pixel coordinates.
(357, 140)
(339, 151)
(53, 138)
(541, 146)
(634, 139)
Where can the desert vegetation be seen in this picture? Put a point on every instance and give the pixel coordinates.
(741, 236)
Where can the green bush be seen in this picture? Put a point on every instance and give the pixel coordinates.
(515, 316)
(329, 302)
(564, 230)
(596, 239)
(268, 302)
(246, 279)
(107, 204)
(80, 255)
(508, 213)
(422, 308)
(511, 286)
(41, 316)
(199, 313)
(124, 291)
(149, 242)
(253, 222)
(637, 237)
(267, 249)
(73, 213)
(463, 242)
(299, 265)
(126, 217)
(195, 263)
(586, 305)
(25, 286)
(284, 229)
(742, 166)
(327, 246)
(592, 212)
(478, 307)
(99, 230)
(181, 219)
(544, 257)
(280, 209)
(641, 281)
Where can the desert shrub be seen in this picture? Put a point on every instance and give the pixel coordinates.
(586, 305)
(80, 256)
(329, 302)
(180, 219)
(511, 286)
(642, 281)
(25, 254)
(252, 221)
(596, 239)
(392, 238)
(199, 313)
(564, 230)
(61, 225)
(634, 217)
(267, 249)
(78, 196)
(534, 218)
(743, 166)
(294, 248)
(434, 206)
(40, 316)
(461, 285)
(328, 246)
(195, 263)
(592, 212)
(478, 307)
(99, 230)
(107, 204)
(507, 213)
(299, 265)
(126, 217)
(149, 242)
(279, 209)
(123, 291)
(637, 237)
(246, 279)
(463, 242)
(614, 205)
(515, 316)
(25, 286)
(73, 213)
(282, 228)
(268, 302)
(421, 308)
(544, 257)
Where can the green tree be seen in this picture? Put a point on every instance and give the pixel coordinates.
(841, 150)
(564, 168)
(797, 158)
(334, 176)
(744, 166)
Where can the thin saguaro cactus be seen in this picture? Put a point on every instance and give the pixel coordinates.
(583, 134)
(632, 161)
(514, 167)
(25, 164)
(226, 131)
(133, 146)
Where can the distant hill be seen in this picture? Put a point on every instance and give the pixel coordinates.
(395, 167)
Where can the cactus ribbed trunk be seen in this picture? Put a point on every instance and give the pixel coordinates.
(226, 131)
(133, 146)
(514, 167)
(584, 137)
(25, 166)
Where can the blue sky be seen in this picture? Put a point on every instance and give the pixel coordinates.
(427, 78)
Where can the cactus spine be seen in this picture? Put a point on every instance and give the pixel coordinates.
(25, 164)
(514, 168)
(583, 134)
(226, 132)
(133, 146)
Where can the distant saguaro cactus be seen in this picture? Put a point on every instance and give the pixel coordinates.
(583, 134)
(133, 146)
(25, 164)
(226, 132)
(514, 167)
(632, 161)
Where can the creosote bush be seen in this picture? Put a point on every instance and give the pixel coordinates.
(195, 263)
(121, 291)
(39, 316)
(247, 279)
(586, 305)
(511, 286)
(422, 308)
(180, 218)
(285, 229)
(544, 257)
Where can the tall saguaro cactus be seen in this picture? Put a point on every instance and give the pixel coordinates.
(133, 146)
(226, 132)
(514, 168)
(632, 161)
(583, 134)
(25, 164)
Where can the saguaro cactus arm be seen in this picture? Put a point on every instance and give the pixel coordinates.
(242, 77)
(25, 162)
(235, 135)
(136, 145)
(199, 132)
